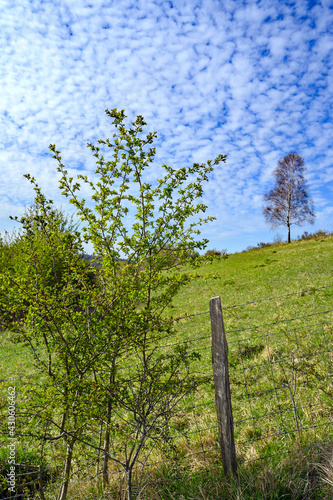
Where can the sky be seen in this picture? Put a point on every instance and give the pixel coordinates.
(252, 80)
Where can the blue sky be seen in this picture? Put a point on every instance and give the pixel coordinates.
(252, 80)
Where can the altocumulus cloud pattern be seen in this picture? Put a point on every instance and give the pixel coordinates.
(252, 80)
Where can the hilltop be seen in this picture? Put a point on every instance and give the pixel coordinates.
(261, 273)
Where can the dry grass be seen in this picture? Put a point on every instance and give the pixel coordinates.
(326, 468)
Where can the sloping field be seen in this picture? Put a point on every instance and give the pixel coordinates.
(278, 314)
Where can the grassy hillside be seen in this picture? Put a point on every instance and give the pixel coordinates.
(277, 306)
(262, 273)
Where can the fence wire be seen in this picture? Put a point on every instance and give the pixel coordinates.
(281, 388)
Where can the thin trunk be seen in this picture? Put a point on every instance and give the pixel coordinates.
(67, 470)
(40, 480)
(99, 446)
(63, 421)
(108, 427)
(106, 447)
(129, 484)
(288, 215)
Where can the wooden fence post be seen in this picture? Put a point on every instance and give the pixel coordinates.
(222, 387)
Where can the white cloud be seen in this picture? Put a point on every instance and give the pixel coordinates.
(253, 81)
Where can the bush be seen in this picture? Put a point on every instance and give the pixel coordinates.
(264, 245)
(318, 234)
(47, 246)
(216, 253)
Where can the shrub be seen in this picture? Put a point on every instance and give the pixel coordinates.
(216, 253)
(318, 234)
(264, 245)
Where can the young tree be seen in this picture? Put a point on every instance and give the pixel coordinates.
(288, 202)
(91, 331)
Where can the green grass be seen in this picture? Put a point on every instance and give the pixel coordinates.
(280, 358)
(261, 273)
(279, 349)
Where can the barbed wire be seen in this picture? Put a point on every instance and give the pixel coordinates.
(277, 323)
(194, 474)
(281, 453)
(278, 297)
(272, 390)
(206, 337)
(309, 290)
(292, 431)
(273, 414)
(278, 361)
(189, 316)
(249, 395)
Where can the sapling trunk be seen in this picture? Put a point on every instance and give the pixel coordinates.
(108, 427)
(67, 469)
(129, 483)
(99, 446)
(106, 446)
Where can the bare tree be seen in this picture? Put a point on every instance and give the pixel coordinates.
(289, 201)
